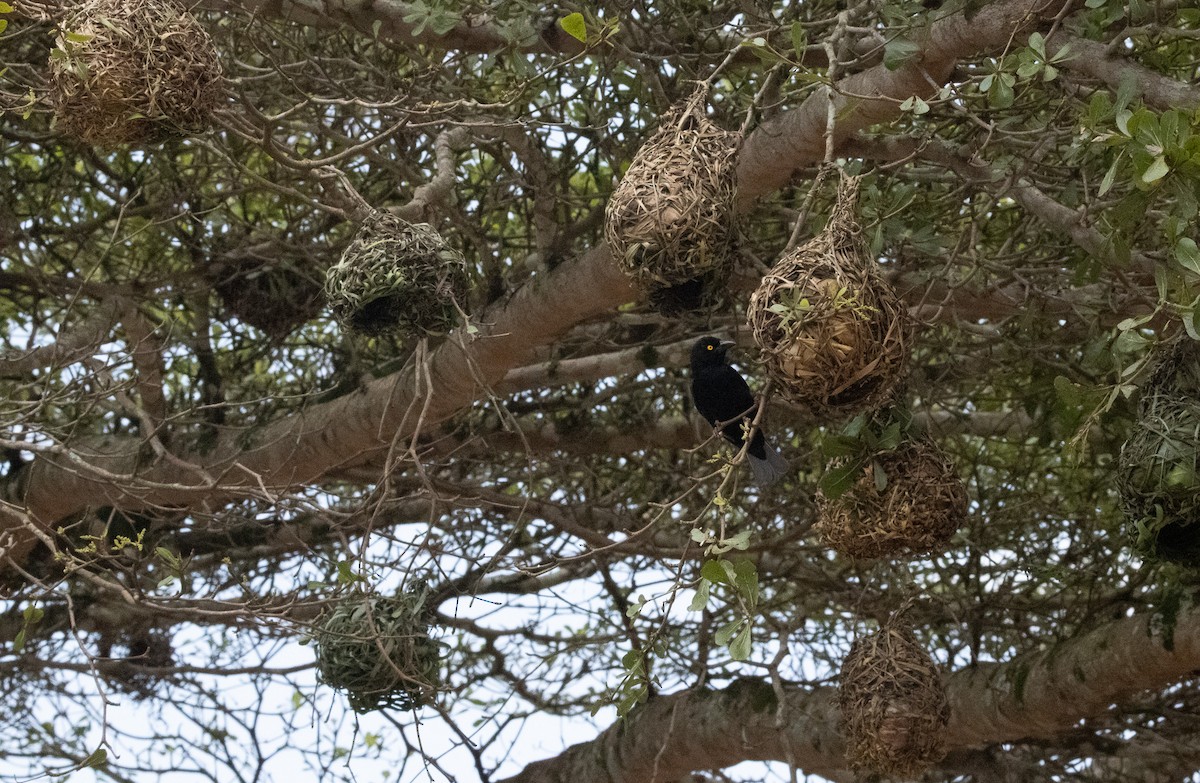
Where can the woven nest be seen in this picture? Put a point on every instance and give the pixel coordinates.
(397, 276)
(127, 72)
(1159, 470)
(670, 222)
(921, 504)
(269, 288)
(834, 335)
(378, 651)
(893, 704)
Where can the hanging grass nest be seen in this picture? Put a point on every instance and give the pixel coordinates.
(397, 276)
(125, 72)
(834, 335)
(905, 501)
(670, 222)
(1159, 470)
(378, 651)
(893, 704)
(269, 286)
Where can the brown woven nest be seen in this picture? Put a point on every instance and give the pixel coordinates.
(670, 222)
(126, 72)
(905, 501)
(377, 650)
(1158, 475)
(893, 704)
(397, 276)
(834, 335)
(270, 286)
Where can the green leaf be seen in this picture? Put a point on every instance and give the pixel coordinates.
(1037, 42)
(1068, 392)
(726, 632)
(575, 26)
(837, 480)
(700, 599)
(636, 607)
(1107, 183)
(739, 648)
(79, 37)
(1000, 96)
(740, 542)
(715, 571)
(799, 40)
(297, 700)
(880, 475)
(5, 8)
(19, 641)
(746, 580)
(98, 759)
(1158, 169)
(1188, 254)
(899, 51)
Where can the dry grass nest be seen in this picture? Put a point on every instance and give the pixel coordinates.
(126, 72)
(893, 704)
(906, 501)
(270, 286)
(670, 223)
(834, 335)
(397, 276)
(377, 650)
(1158, 474)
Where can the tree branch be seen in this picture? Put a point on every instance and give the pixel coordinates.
(1036, 695)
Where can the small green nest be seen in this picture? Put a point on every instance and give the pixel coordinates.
(893, 704)
(1159, 470)
(378, 651)
(834, 335)
(125, 72)
(397, 276)
(670, 223)
(906, 501)
(269, 287)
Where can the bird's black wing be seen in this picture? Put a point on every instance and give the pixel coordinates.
(721, 394)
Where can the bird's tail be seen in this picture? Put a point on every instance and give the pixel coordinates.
(768, 471)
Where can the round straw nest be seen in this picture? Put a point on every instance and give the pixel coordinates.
(378, 651)
(126, 72)
(670, 222)
(905, 501)
(397, 276)
(893, 704)
(269, 286)
(1159, 470)
(834, 335)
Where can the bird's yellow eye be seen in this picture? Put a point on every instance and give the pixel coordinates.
(710, 347)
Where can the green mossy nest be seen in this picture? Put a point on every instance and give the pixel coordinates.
(269, 287)
(397, 276)
(377, 650)
(670, 223)
(907, 501)
(834, 335)
(893, 704)
(1158, 474)
(126, 72)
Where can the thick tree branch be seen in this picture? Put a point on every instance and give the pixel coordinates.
(1094, 59)
(1034, 696)
(773, 152)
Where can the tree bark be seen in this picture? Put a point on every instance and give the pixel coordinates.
(1034, 696)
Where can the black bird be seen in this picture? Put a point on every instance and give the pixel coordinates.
(721, 395)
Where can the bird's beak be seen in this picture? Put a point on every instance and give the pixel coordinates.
(727, 344)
